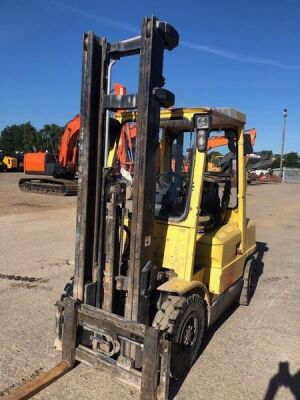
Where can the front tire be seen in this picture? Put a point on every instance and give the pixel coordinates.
(184, 320)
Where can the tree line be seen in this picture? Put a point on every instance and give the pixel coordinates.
(26, 138)
(290, 160)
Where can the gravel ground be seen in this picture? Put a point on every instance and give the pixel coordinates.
(251, 352)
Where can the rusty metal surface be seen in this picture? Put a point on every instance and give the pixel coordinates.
(162, 392)
(113, 246)
(111, 322)
(154, 40)
(91, 358)
(110, 254)
(150, 364)
(33, 387)
(69, 330)
(88, 159)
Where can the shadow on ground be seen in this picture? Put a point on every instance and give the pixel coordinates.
(284, 378)
(257, 266)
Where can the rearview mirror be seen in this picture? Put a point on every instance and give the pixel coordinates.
(248, 149)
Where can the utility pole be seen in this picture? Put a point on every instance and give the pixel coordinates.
(285, 114)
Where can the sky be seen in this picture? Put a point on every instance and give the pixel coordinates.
(238, 53)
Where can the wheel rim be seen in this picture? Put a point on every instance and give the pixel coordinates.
(189, 334)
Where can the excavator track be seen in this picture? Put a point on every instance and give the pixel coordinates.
(60, 187)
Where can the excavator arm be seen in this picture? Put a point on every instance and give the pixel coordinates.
(219, 141)
(68, 149)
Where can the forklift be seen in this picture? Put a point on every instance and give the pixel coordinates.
(154, 271)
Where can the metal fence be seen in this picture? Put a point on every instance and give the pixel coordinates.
(289, 174)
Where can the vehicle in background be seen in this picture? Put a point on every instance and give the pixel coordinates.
(56, 173)
(8, 163)
(260, 169)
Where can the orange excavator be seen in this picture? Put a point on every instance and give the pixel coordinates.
(125, 152)
(62, 168)
(218, 141)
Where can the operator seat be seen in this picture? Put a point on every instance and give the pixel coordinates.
(211, 206)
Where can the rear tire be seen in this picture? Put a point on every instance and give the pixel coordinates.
(184, 320)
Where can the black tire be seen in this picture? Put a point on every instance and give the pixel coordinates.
(184, 320)
(246, 293)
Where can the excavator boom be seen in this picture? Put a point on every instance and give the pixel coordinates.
(68, 152)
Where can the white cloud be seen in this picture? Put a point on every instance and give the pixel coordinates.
(239, 57)
(104, 20)
(206, 49)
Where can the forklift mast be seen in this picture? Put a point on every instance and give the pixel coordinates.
(90, 232)
(108, 303)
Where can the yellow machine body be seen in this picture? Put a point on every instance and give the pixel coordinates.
(215, 259)
(10, 163)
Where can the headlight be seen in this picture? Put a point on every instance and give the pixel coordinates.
(202, 121)
(201, 139)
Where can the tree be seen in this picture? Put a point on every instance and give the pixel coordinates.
(30, 142)
(291, 160)
(276, 161)
(267, 152)
(26, 138)
(49, 137)
(18, 138)
(213, 155)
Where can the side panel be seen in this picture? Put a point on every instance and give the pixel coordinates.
(221, 264)
(216, 262)
(35, 163)
(168, 252)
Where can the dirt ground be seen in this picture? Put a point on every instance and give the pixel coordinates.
(250, 353)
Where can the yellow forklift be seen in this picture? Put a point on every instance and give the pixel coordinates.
(152, 272)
